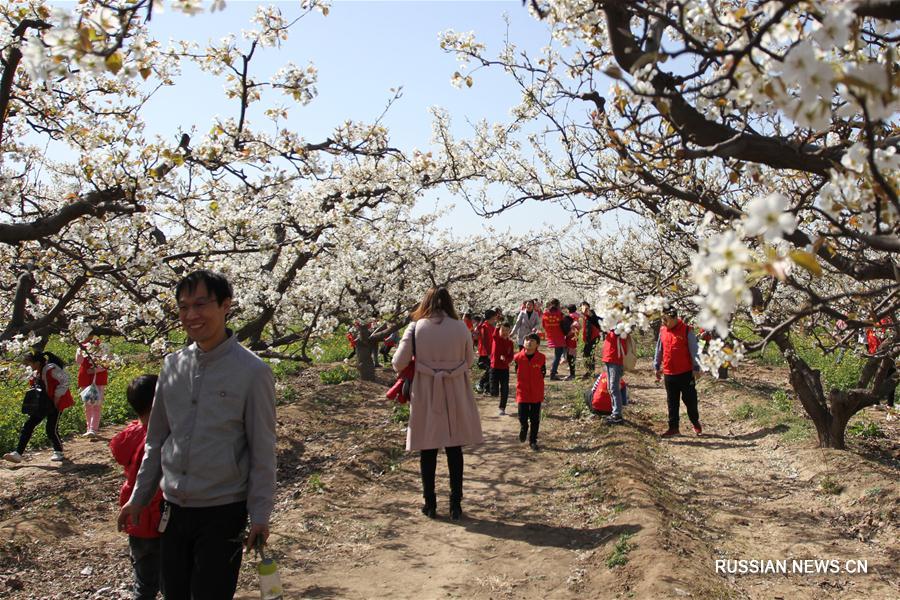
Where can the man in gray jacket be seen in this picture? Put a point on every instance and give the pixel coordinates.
(211, 446)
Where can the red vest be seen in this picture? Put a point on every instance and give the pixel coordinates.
(611, 345)
(502, 352)
(676, 358)
(530, 378)
(551, 323)
(485, 338)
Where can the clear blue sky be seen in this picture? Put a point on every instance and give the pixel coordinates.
(361, 50)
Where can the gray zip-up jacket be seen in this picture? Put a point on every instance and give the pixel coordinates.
(525, 325)
(211, 435)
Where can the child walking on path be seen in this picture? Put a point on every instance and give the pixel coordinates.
(127, 448)
(50, 375)
(530, 389)
(501, 356)
(90, 372)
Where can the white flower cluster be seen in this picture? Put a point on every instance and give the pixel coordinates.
(622, 312)
(299, 83)
(717, 353)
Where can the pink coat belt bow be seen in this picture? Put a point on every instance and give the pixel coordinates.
(439, 376)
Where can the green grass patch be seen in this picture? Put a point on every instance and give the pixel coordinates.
(400, 413)
(332, 348)
(829, 485)
(314, 484)
(619, 556)
(777, 411)
(743, 412)
(839, 370)
(578, 409)
(338, 374)
(865, 429)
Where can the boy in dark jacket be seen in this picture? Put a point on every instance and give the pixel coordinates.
(128, 449)
(501, 356)
(530, 388)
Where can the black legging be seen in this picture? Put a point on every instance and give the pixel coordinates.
(530, 412)
(51, 428)
(428, 466)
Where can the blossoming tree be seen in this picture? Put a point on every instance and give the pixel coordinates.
(765, 131)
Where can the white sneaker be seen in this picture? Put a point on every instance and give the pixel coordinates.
(501, 413)
(88, 434)
(57, 457)
(13, 456)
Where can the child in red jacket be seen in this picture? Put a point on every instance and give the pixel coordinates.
(128, 449)
(501, 356)
(530, 388)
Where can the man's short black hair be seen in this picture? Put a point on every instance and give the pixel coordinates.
(489, 314)
(571, 308)
(216, 284)
(140, 393)
(533, 336)
(670, 311)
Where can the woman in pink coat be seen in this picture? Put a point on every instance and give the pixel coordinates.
(442, 411)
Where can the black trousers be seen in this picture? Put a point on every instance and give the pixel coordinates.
(530, 413)
(145, 562)
(681, 388)
(428, 466)
(484, 362)
(500, 385)
(201, 551)
(52, 429)
(570, 358)
(590, 360)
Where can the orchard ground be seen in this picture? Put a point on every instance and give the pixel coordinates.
(599, 512)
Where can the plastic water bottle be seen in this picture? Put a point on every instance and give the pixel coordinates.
(269, 579)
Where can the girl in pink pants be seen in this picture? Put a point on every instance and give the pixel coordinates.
(90, 372)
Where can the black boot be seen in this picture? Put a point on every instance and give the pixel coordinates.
(429, 509)
(455, 509)
(455, 464)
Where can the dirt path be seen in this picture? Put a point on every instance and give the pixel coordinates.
(758, 496)
(536, 525)
(517, 538)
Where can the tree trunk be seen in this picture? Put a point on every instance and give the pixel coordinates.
(830, 415)
(366, 348)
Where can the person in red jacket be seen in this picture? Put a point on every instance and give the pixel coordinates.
(485, 336)
(530, 388)
(127, 448)
(677, 359)
(49, 375)
(614, 349)
(501, 356)
(556, 339)
(90, 371)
